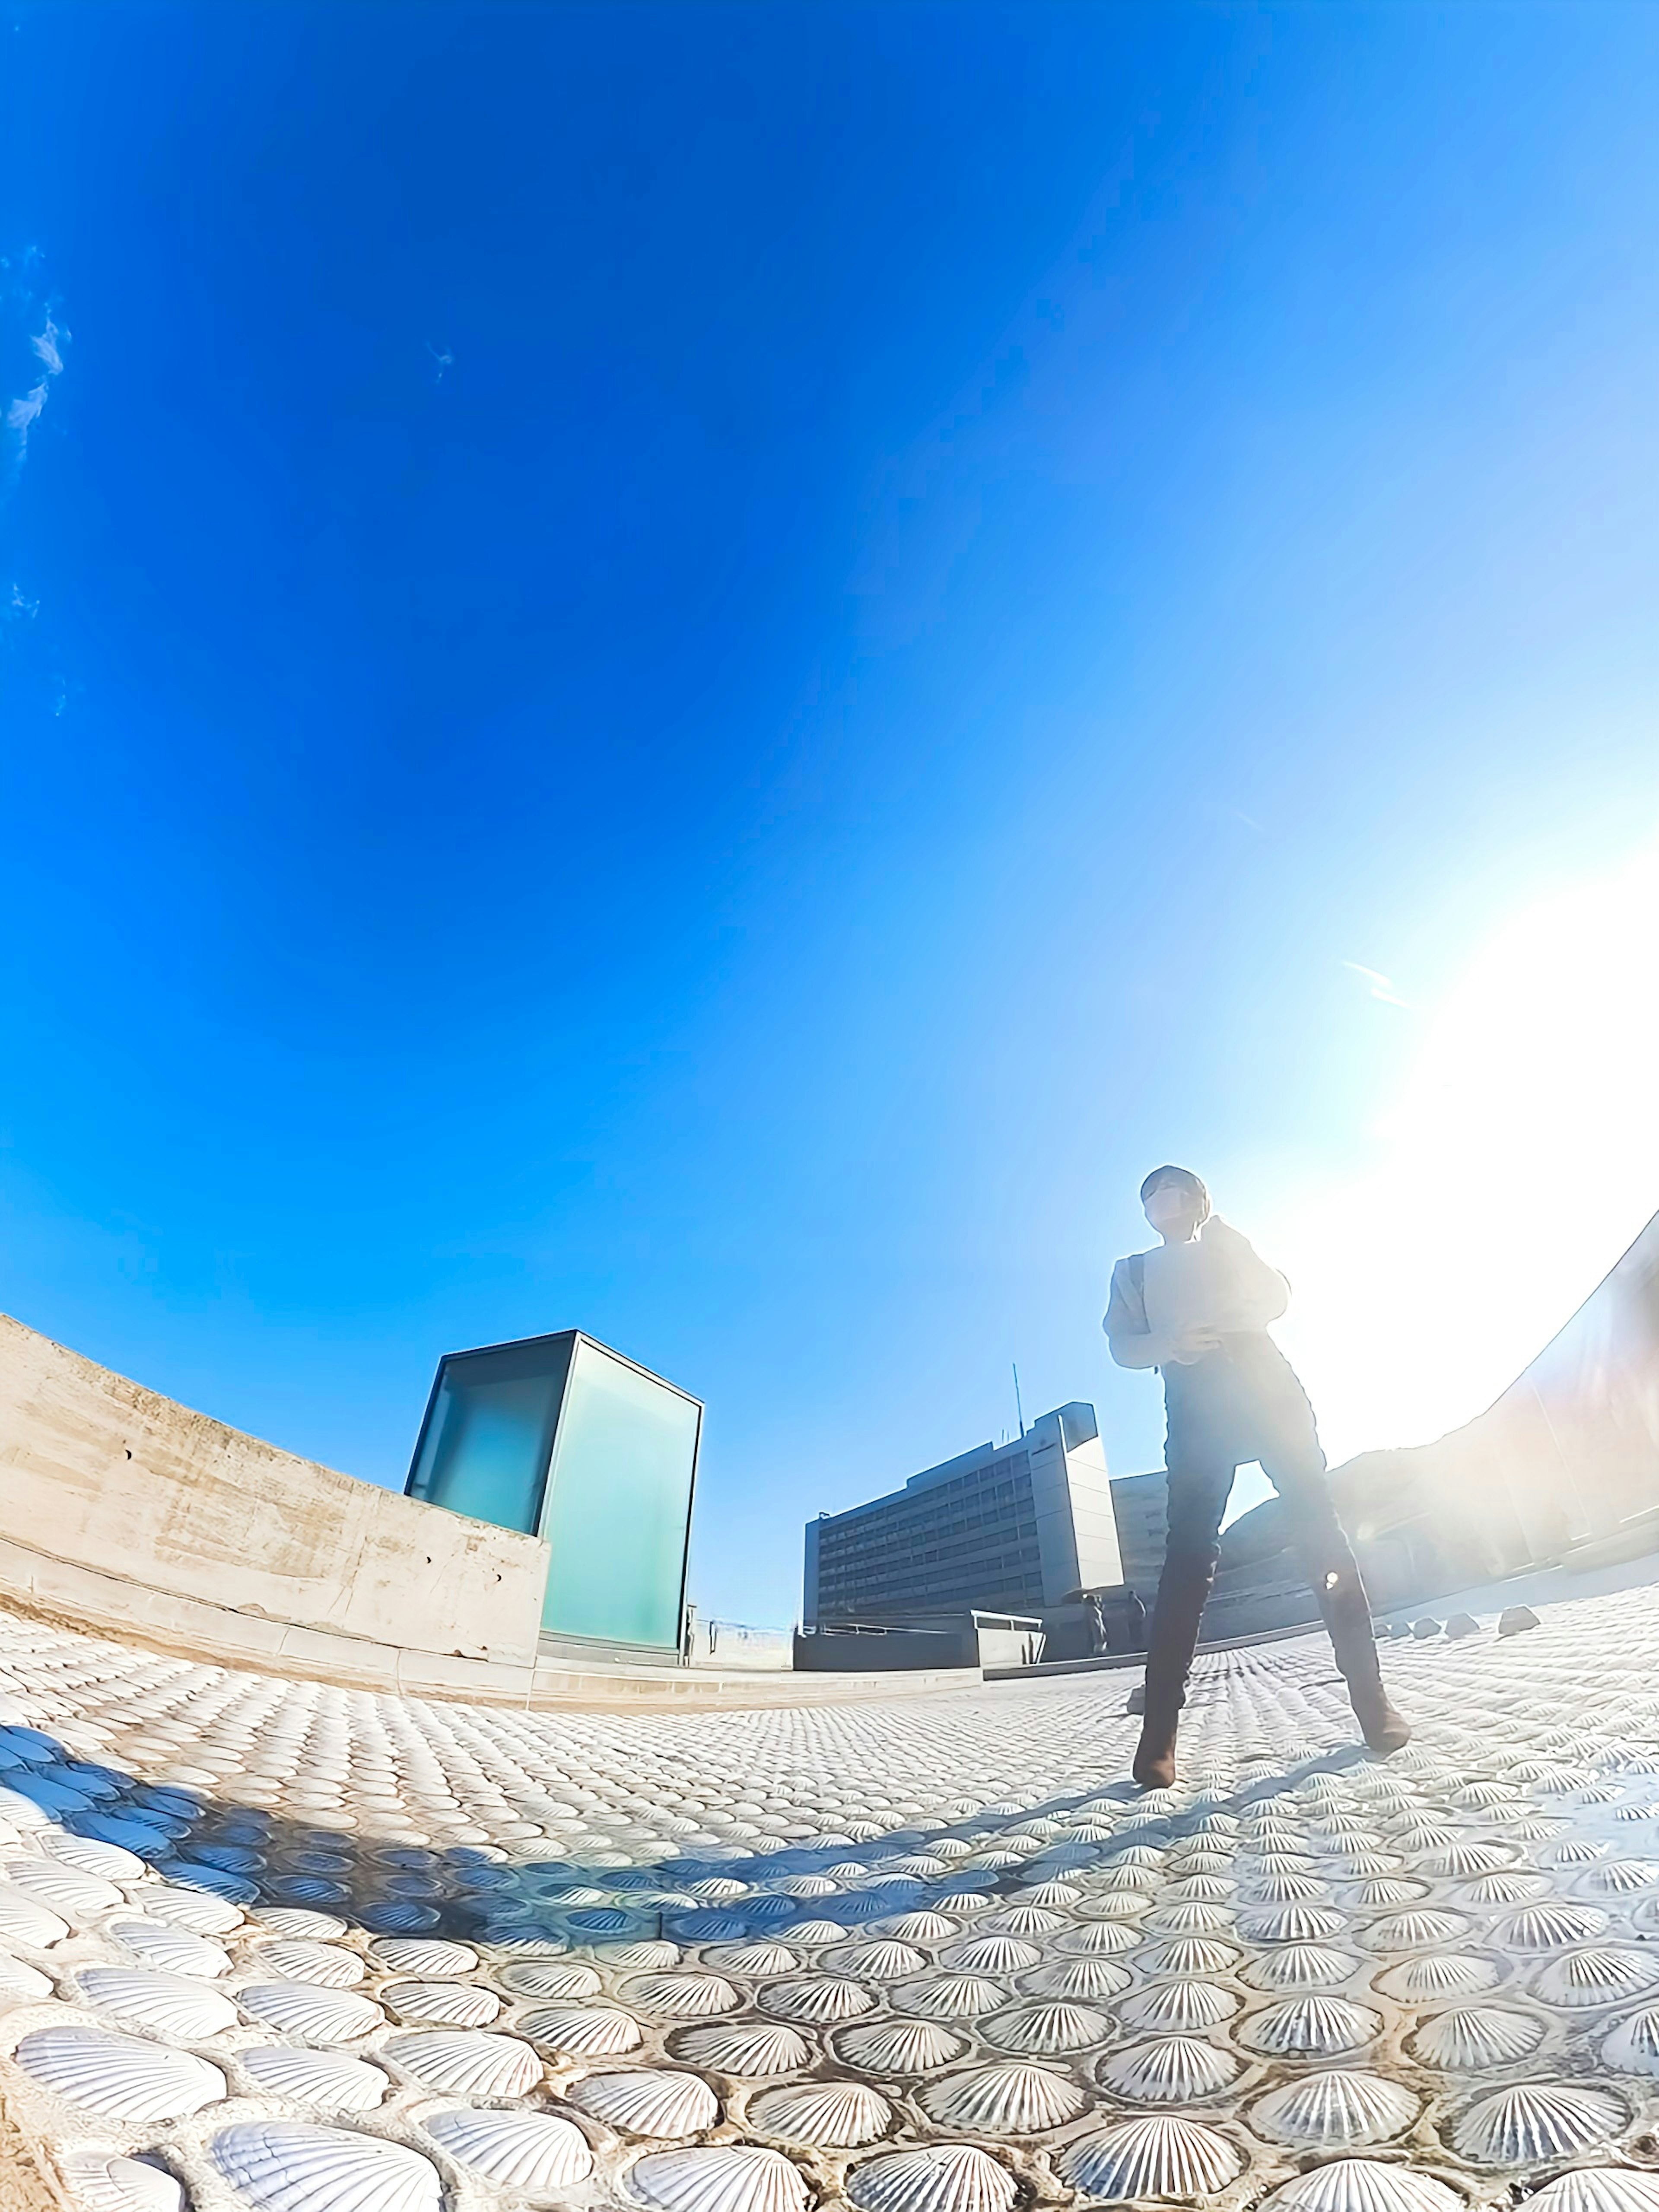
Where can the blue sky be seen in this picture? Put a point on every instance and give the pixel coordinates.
(704, 672)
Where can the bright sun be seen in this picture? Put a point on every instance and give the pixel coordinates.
(1520, 1159)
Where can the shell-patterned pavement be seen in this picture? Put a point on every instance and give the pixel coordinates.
(270, 1946)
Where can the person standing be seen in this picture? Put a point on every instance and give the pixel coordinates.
(1095, 1614)
(1197, 1309)
(1137, 1611)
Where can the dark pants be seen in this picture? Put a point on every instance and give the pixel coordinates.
(1242, 1403)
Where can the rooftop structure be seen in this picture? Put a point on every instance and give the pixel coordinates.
(561, 1438)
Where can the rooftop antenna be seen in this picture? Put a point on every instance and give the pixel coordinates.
(1019, 1408)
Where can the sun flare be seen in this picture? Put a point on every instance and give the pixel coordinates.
(1519, 1159)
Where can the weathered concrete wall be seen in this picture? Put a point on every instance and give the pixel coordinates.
(121, 1483)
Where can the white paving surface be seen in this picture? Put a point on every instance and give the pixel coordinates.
(270, 1947)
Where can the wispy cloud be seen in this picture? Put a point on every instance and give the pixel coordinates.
(25, 316)
(1380, 986)
(32, 343)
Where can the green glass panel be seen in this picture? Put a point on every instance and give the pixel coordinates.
(618, 1503)
(487, 1441)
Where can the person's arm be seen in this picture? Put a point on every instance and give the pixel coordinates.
(1125, 1322)
(1133, 1344)
(1261, 1293)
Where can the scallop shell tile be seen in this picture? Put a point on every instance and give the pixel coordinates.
(171, 1950)
(950, 1997)
(1599, 1974)
(188, 1908)
(1048, 2028)
(1190, 1954)
(78, 1899)
(818, 2003)
(1361, 2185)
(26, 1919)
(1416, 1931)
(18, 1980)
(322, 2079)
(1101, 1941)
(1551, 1927)
(1091, 1979)
(1429, 1980)
(170, 2005)
(467, 2064)
(900, 2046)
(551, 1977)
(1163, 2156)
(584, 2031)
(682, 1996)
(748, 2049)
(1015, 2099)
(1470, 2039)
(117, 2077)
(936, 2177)
(756, 1961)
(325, 1964)
(724, 2178)
(1534, 2122)
(992, 1955)
(1335, 2111)
(1312, 2026)
(1633, 2045)
(424, 1956)
(104, 2181)
(441, 2005)
(297, 2165)
(1169, 2069)
(1301, 1966)
(1599, 2189)
(650, 2102)
(1292, 1923)
(534, 2155)
(823, 2115)
(1180, 2005)
(313, 2015)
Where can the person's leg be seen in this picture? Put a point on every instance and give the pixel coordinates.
(1294, 1463)
(1198, 1497)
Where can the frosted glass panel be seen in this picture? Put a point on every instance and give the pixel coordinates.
(619, 1503)
(489, 1434)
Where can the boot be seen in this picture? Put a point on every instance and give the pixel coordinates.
(1183, 1587)
(1348, 1612)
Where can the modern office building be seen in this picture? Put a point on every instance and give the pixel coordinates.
(1013, 1528)
(1140, 1506)
(561, 1438)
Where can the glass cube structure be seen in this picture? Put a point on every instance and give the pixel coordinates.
(562, 1438)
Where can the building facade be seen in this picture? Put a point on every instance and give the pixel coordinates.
(1140, 1507)
(1014, 1527)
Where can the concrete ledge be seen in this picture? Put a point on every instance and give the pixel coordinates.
(102, 1475)
(1113, 1662)
(71, 1596)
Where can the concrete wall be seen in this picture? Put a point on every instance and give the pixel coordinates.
(108, 1478)
(1569, 1453)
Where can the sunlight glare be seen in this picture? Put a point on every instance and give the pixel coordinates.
(1519, 1160)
